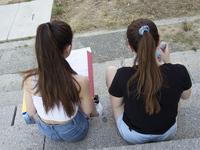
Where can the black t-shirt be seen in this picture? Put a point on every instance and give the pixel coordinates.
(176, 80)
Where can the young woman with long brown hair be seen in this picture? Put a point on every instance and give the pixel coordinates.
(54, 91)
(145, 97)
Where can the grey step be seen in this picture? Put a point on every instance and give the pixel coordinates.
(21, 138)
(103, 132)
(11, 98)
(185, 144)
(195, 75)
(105, 47)
(17, 59)
(194, 99)
(19, 55)
(7, 114)
(10, 82)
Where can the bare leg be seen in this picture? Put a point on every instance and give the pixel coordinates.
(117, 106)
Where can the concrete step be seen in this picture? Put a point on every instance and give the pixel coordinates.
(11, 98)
(17, 56)
(10, 82)
(103, 133)
(21, 138)
(186, 144)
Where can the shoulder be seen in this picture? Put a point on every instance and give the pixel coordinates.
(82, 80)
(177, 67)
(178, 72)
(28, 84)
(28, 81)
(125, 70)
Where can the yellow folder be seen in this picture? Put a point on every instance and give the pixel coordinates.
(24, 104)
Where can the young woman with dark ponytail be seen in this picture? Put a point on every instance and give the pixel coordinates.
(54, 91)
(145, 97)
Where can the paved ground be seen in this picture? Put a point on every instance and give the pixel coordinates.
(20, 20)
(108, 48)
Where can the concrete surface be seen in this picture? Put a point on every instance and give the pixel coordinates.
(7, 113)
(15, 60)
(108, 48)
(186, 144)
(22, 19)
(10, 82)
(7, 16)
(11, 98)
(21, 138)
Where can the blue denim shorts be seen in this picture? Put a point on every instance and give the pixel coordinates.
(137, 138)
(71, 131)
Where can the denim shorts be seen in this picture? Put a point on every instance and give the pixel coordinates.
(72, 131)
(137, 138)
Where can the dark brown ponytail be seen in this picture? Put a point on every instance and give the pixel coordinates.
(148, 75)
(56, 83)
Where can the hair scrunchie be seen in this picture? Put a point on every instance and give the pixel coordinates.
(144, 28)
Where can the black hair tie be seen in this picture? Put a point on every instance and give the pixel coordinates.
(49, 25)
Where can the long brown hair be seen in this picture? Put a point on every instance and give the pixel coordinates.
(56, 83)
(148, 74)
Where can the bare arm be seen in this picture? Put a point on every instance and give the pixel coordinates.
(186, 94)
(116, 101)
(28, 98)
(87, 103)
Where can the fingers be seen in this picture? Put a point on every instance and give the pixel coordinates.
(160, 50)
(165, 54)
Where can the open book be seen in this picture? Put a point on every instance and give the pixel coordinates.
(81, 62)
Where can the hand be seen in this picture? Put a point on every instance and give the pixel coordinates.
(165, 54)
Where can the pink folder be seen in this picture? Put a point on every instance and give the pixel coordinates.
(81, 61)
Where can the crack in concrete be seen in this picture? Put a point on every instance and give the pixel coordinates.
(14, 115)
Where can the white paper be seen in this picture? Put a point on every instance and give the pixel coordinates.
(78, 61)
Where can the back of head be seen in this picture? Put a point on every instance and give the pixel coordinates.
(55, 83)
(143, 38)
(51, 41)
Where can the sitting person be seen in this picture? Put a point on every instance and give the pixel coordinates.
(54, 91)
(145, 97)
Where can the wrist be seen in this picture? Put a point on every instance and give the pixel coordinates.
(167, 61)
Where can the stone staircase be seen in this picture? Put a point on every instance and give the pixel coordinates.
(103, 133)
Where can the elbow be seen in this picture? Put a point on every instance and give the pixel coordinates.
(186, 94)
(31, 113)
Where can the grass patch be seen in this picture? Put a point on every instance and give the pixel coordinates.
(57, 10)
(185, 26)
(187, 40)
(194, 48)
(105, 14)
(27, 0)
